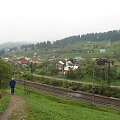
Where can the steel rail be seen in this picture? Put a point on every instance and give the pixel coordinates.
(77, 95)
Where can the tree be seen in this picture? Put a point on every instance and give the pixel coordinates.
(79, 73)
(5, 71)
(2, 52)
(71, 74)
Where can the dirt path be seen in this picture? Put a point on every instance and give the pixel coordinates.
(16, 109)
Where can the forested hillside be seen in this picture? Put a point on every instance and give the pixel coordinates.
(110, 35)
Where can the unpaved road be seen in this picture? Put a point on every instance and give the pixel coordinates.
(15, 108)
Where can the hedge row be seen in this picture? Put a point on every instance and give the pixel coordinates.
(2, 93)
(102, 90)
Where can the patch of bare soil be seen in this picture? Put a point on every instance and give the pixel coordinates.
(15, 110)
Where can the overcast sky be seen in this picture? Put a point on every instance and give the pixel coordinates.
(42, 20)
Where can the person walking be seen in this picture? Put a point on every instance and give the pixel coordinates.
(12, 85)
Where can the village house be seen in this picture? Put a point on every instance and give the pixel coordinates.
(66, 66)
(23, 60)
(117, 65)
(101, 61)
(60, 65)
(34, 61)
(102, 50)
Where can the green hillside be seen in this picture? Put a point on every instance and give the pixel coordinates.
(42, 106)
(77, 49)
(86, 45)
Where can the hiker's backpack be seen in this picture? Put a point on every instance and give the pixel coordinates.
(12, 83)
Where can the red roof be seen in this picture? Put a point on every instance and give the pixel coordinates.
(23, 61)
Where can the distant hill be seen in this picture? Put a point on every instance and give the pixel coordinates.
(108, 36)
(86, 45)
(9, 45)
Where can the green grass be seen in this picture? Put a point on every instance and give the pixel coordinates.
(4, 101)
(73, 50)
(42, 106)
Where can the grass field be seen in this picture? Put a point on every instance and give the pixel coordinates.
(4, 101)
(42, 106)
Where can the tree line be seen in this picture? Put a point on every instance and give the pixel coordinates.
(110, 35)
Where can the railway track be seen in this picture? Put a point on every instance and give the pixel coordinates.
(94, 99)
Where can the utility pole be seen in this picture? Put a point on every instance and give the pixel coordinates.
(108, 73)
(93, 95)
(15, 70)
(31, 70)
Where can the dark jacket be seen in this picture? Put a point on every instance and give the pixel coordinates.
(12, 83)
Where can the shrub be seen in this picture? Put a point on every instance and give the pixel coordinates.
(75, 86)
(55, 83)
(102, 90)
(65, 84)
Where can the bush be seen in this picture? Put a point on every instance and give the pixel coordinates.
(65, 84)
(75, 86)
(28, 76)
(85, 87)
(102, 90)
(55, 83)
(2, 93)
